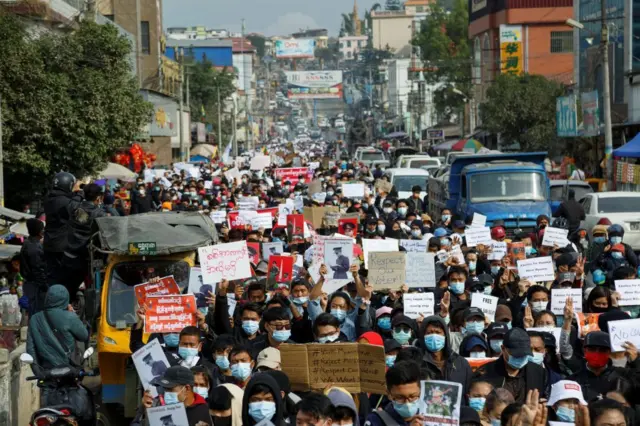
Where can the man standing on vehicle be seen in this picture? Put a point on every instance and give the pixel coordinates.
(572, 211)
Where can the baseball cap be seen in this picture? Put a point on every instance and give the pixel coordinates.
(517, 342)
(176, 376)
(458, 224)
(564, 277)
(496, 329)
(440, 232)
(391, 345)
(565, 389)
(382, 311)
(598, 339)
(485, 279)
(402, 320)
(269, 358)
(475, 341)
(473, 312)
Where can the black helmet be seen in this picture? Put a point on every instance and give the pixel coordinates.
(64, 181)
(560, 223)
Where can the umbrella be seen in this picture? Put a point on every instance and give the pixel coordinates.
(116, 171)
(445, 146)
(203, 149)
(467, 145)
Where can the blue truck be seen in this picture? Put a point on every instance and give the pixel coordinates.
(509, 187)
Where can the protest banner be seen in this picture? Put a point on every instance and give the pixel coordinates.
(315, 215)
(352, 366)
(254, 252)
(260, 162)
(537, 269)
(285, 210)
(169, 314)
(369, 245)
(420, 269)
(386, 270)
(416, 304)
(559, 299)
(498, 250)
(198, 288)
(353, 190)
(279, 271)
(629, 292)
(414, 246)
(291, 174)
(218, 216)
(295, 228)
(478, 221)
(476, 363)
(488, 304)
(241, 219)
(225, 261)
(150, 362)
(248, 203)
(168, 415)
(555, 236)
(348, 226)
(516, 251)
(440, 402)
(624, 331)
(552, 330)
(479, 235)
(262, 220)
(166, 285)
(272, 249)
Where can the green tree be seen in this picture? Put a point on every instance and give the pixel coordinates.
(444, 48)
(522, 109)
(368, 18)
(69, 102)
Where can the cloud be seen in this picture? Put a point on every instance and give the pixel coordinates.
(290, 23)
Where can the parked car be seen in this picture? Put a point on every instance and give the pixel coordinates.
(417, 161)
(622, 208)
(405, 179)
(559, 191)
(370, 157)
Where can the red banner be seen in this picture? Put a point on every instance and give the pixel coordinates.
(169, 314)
(291, 174)
(167, 285)
(280, 271)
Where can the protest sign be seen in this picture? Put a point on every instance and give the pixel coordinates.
(166, 285)
(295, 228)
(337, 258)
(587, 323)
(260, 162)
(348, 226)
(440, 402)
(624, 331)
(537, 269)
(169, 314)
(241, 219)
(420, 269)
(352, 366)
(262, 220)
(516, 251)
(414, 246)
(218, 216)
(314, 188)
(559, 299)
(555, 331)
(225, 261)
(478, 221)
(629, 292)
(198, 288)
(151, 363)
(168, 415)
(386, 270)
(488, 304)
(271, 249)
(331, 220)
(498, 250)
(370, 245)
(353, 190)
(315, 215)
(318, 197)
(279, 271)
(284, 210)
(254, 252)
(291, 174)
(479, 235)
(555, 236)
(416, 304)
(248, 203)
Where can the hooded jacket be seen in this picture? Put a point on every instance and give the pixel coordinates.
(269, 382)
(456, 368)
(237, 396)
(42, 343)
(341, 398)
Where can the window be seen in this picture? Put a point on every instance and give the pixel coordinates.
(561, 41)
(348, 43)
(419, 9)
(145, 41)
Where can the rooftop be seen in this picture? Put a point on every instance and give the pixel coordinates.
(212, 42)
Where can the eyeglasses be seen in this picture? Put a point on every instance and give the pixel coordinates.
(281, 327)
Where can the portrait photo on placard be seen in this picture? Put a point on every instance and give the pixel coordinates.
(337, 257)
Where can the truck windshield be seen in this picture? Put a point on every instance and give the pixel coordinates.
(515, 186)
(418, 164)
(371, 156)
(121, 302)
(405, 183)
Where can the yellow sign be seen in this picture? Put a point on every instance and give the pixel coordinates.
(511, 59)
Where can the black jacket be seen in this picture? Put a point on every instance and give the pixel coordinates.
(58, 208)
(82, 226)
(572, 211)
(33, 267)
(595, 386)
(268, 381)
(141, 204)
(496, 373)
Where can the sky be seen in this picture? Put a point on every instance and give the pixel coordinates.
(269, 17)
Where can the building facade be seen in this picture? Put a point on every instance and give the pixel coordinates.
(218, 52)
(350, 46)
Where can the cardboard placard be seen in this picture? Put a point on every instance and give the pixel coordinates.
(260, 162)
(479, 235)
(537, 269)
(555, 236)
(285, 210)
(440, 402)
(629, 292)
(624, 331)
(414, 246)
(488, 304)
(225, 261)
(272, 249)
(167, 285)
(559, 299)
(498, 250)
(416, 304)
(248, 203)
(218, 216)
(353, 190)
(420, 270)
(352, 366)
(169, 314)
(370, 245)
(262, 220)
(314, 187)
(337, 257)
(315, 215)
(386, 270)
(383, 185)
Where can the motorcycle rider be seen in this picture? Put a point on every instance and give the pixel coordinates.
(60, 203)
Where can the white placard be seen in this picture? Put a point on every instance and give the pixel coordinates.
(456, 252)
(248, 203)
(498, 250)
(370, 246)
(199, 288)
(218, 216)
(556, 331)
(298, 203)
(479, 235)
(624, 331)
(283, 211)
(420, 270)
(169, 415)
(418, 303)
(260, 162)
(559, 299)
(537, 269)
(231, 304)
(353, 190)
(629, 292)
(225, 261)
(414, 246)
(272, 249)
(488, 304)
(478, 221)
(555, 236)
(320, 197)
(151, 363)
(337, 258)
(262, 220)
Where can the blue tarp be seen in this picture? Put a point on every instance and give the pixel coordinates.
(630, 149)
(199, 159)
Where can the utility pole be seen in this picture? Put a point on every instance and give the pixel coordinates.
(139, 43)
(245, 72)
(1, 159)
(183, 148)
(371, 91)
(606, 95)
(219, 121)
(235, 136)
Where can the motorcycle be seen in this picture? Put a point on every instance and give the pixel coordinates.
(73, 405)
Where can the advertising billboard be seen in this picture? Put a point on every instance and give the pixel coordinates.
(295, 48)
(566, 116)
(590, 113)
(511, 55)
(314, 84)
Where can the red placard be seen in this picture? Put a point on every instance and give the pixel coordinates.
(169, 314)
(280, 271)
(291, 174)
(295, 228)
(254, 252)
(350, 221)
(167, 285)
(235, 222)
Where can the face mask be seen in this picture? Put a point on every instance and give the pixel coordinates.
(262, 410)
(172, 340)
(241, 370)
(222, 362)
(446, 217)
(619, 362)
(387, 210)
(203, 392)
(528, 250)
(518, 362)
(474, 327)
(381, 228)
(599, 240)
(171, 398)
(406, 410)
(617, 255)
(496, 422)
(477, 403)
(537, 357)
(472, 266)
(340, 314)
(615, 240)
(416, 233)
(365, 206)
(300, 300)
(281, 335)
(389, 360)
(329, 339)
(402, 337)
(596, 359)
(402, 211)
(478, 354)
(509, 325)
(330, 193)
(496, 345)
(384, 323)
(538, 306)
(250, 327)
(204, 310)
(444, 242)
(187, 353)
(495, 270)
(262, 206)
(456, 287)
(434, 342)
(566, 414)
(297, 193)
(488, 290)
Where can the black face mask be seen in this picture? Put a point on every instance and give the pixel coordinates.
(598, 310)
(221, 421)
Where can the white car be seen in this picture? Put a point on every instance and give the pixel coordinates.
(417, 161)
(339, 123)
(621, 208)
(405, 179)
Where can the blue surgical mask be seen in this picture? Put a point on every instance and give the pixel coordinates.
(600, 239)
(444, 242)
(300, 300)
(456, 287)
(389, 360)
(241, 370)
(402, 337)
(384, 323)
(406, 410)
(615, 240)
(281, 335)
(186, 353)
(434, 342)
(340, 314)
(566, 414)
(171, 398)
(416, 233)
(171, 340)
(537, 358)
(402, 211)
(518, 362)
(202, 391)
(617, 255)
(446, 217)
(474, 327)
(496, 345)
(250, 327)
(488, 290)
(477, 403)
(204, 310)
(495, 270)
(509, 325)
(262, 410)
(222, 362)
(496, 422)
(472, 265)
